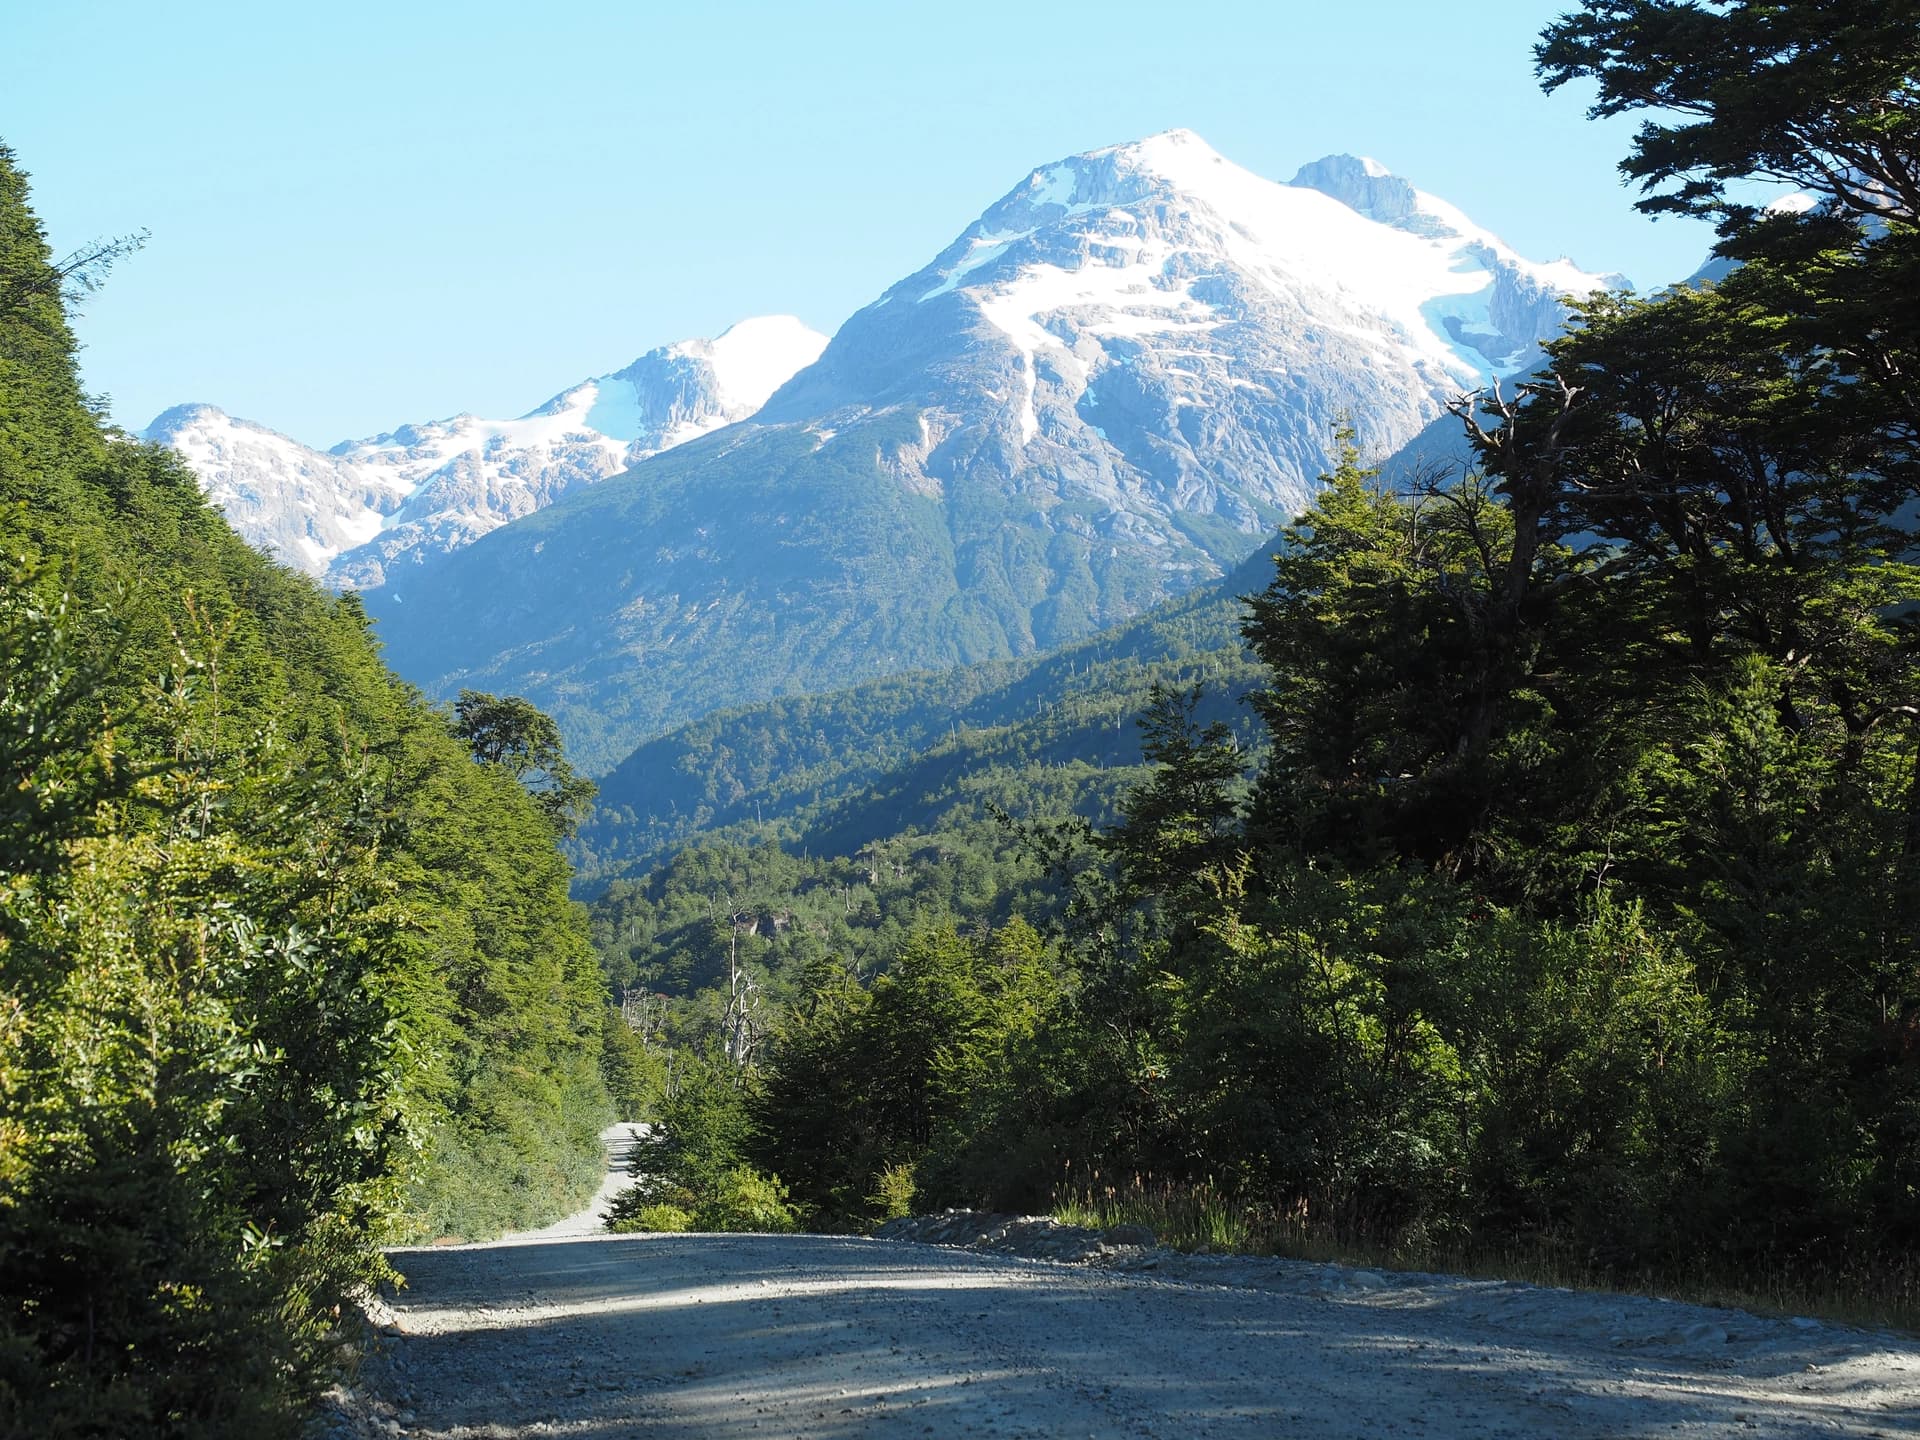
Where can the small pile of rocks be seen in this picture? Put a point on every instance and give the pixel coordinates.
(1034, 1237)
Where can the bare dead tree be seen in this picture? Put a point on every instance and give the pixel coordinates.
(645, 1014)
(72, 279)
(742, 1025)
(1530, 479)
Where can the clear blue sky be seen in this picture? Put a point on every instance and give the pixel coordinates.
(367, 214)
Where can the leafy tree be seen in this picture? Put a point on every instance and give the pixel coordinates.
(705, 1123)
(512, 733)
(1600, 1073)
(634, 1074)
(1744, 455)
(866, 1082)
(197, 1075)
(1178, 823)
(1815, 93)
(1418, 704)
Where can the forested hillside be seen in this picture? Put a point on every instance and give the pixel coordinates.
(821, 768)
(826, 773)
(284, 969)
(1564, 907)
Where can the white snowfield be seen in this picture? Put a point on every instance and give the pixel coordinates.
(746, 1335)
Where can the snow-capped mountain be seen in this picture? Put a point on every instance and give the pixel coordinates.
(1504, 306)
(1174, 336)
(299, 504)
(369, 508)
(1119, 380)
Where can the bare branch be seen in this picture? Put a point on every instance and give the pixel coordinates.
(74, 278)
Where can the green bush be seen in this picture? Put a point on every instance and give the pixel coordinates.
(893, 1193)
(283, 970)
(865, 1086)
(634, 1213)
(745, 1200)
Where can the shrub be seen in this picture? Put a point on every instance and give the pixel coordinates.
(743, 1199)
(654, 1219)
(893, 1193)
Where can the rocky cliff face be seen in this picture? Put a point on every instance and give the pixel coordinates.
(371, 510)
(294, 502)
(1119, 380)
(1368, 188)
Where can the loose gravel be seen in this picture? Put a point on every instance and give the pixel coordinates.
(594, 1337)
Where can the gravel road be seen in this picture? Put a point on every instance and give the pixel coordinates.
(750, 1335)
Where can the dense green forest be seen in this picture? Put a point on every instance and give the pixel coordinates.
(1564, 900)
(828, 772)
(288, 965)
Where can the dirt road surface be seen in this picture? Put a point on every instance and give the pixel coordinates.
(760, 1336)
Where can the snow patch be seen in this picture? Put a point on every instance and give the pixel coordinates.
(615, 411)
(756, 357)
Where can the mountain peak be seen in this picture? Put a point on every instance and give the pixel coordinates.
(768, 330)
(1170, 149)
(1368, 188)
(1149, 237)
(751, 359)
(171, 421)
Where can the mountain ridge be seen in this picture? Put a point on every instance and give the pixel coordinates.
(366, 510)
(844, 765)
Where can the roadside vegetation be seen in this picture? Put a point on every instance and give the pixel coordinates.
(1524, 874)
(288, 965)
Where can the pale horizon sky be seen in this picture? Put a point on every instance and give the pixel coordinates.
(364, 216)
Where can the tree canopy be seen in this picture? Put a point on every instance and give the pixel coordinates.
(1819, 94)
(514, 734)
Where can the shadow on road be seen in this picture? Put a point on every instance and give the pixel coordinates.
(826, 1336)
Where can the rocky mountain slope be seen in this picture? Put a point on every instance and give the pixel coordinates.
(368, 510)
(301, 505)
(1113, 385)
(829, 772)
